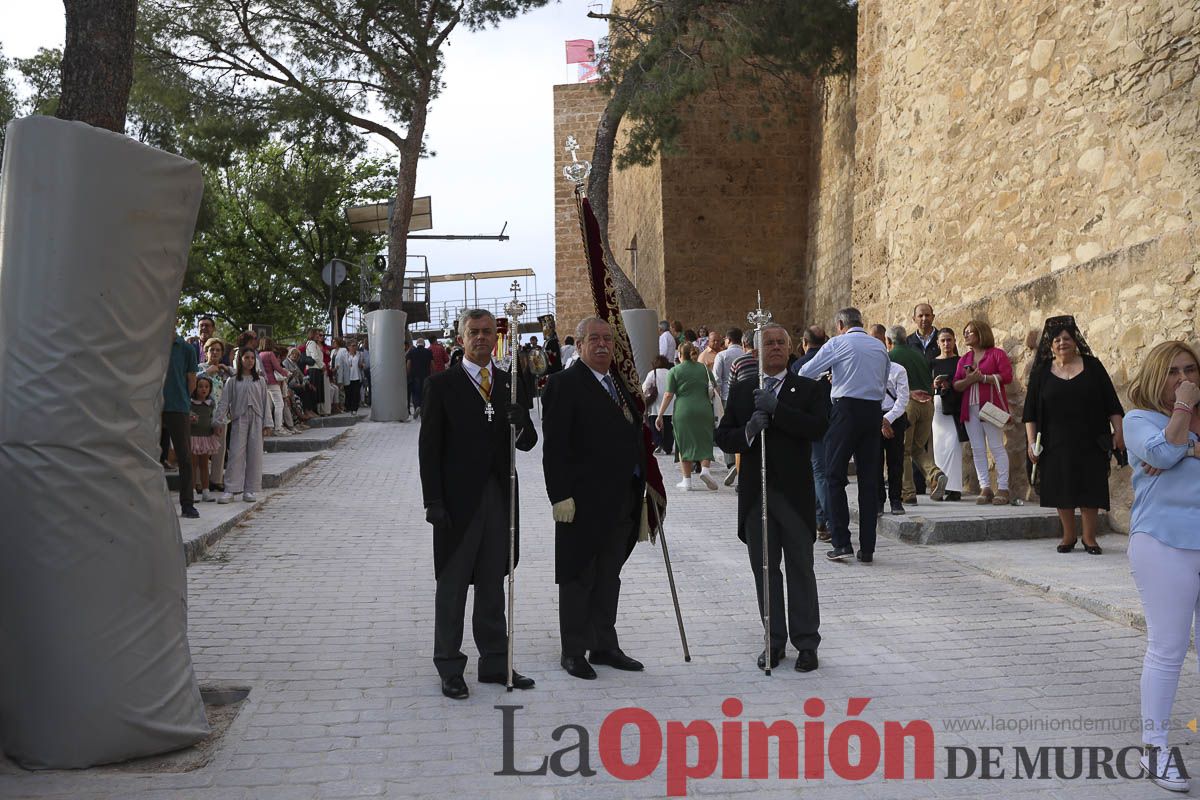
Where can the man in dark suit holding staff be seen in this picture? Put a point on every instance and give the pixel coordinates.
(594, 462)
(464, 454)
(793, 412)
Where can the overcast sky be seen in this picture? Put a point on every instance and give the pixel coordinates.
(492, 130)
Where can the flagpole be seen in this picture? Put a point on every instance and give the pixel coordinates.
(759, 318)
(514, 310)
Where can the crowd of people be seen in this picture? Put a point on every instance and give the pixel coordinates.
(880, 396)
(932, 398)
(220, 400)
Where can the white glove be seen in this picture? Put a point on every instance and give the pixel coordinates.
(564, 510)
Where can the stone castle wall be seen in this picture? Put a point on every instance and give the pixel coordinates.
(735, 212)
(829, 261)
(636, 210)
(1022, 159)
(577, 110)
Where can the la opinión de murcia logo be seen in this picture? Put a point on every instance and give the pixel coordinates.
(733, 749)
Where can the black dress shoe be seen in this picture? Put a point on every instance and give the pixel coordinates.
(806, 660)
(953, 497)
(615, 659)
(776, 657)
(865, 558)
(519, 680)
(898, 509)
(840, 553)
(578, 667)
(455, 687)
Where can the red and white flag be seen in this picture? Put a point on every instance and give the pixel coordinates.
(580, 51)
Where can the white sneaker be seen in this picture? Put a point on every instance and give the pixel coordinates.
(1165, 773)
(685, 484)
(707, 477)
(207, 496)
(249, 497)
(226, 497)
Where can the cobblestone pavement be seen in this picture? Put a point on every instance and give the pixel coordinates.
(323, 605)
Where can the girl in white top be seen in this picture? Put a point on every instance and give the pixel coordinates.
(245, 404)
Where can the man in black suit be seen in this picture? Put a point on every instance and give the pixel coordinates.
(464, 453)
(793, 412)
(594, 461)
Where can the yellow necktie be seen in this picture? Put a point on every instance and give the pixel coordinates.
(485, 383)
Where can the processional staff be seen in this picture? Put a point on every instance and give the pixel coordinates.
(514, 310)
(759, 318)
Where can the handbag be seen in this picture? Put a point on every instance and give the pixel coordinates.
(652, 395)
(990, 412)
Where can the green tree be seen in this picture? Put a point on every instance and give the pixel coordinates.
(663, 54)
(271, 219)
(9, 104)
(42, 75)
(344, 58)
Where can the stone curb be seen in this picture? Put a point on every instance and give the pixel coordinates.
(336, 420)
(308, 441)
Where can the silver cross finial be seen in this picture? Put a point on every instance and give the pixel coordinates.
(515, 308)
(577, 171)
(759, 316)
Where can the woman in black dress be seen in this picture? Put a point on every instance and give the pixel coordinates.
(1072, 405)
(948, 430)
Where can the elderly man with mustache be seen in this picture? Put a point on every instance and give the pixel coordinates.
(594, 464)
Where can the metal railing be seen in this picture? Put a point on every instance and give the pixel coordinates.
(448, 311)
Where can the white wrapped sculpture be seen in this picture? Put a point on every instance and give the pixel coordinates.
(94, 660)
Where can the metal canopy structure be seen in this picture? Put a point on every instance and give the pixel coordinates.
(373, 218)
(525, 272)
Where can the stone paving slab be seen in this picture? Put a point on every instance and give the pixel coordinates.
(327, 616)
(1101, 584)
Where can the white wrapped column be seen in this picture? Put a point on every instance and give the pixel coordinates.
(642, 325)
(94, 660)
(389, 383)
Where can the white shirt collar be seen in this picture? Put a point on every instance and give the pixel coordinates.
(600, 376)
(473, 369)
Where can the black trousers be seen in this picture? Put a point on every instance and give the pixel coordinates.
(483, 556)
(587, 603)
(353, 396)
(666, 437)
(789, 537)
(316, 380)
(177, 433)
(892, 456)
(853, 431)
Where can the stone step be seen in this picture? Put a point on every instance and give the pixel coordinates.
(934, 523)
(277, 469)
(306, 441)
(337, 420)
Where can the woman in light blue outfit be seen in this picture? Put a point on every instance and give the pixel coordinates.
(1164, 534)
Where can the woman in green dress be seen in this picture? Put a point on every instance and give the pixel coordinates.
(690, 385)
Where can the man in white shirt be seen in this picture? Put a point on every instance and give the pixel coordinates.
(666, 342)
(723, 363)
(895, 422)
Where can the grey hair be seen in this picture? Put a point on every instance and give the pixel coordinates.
(897, 333)
(581, 328)
(776, 326)
(848, 317)
(472, 314)
(663, 325)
